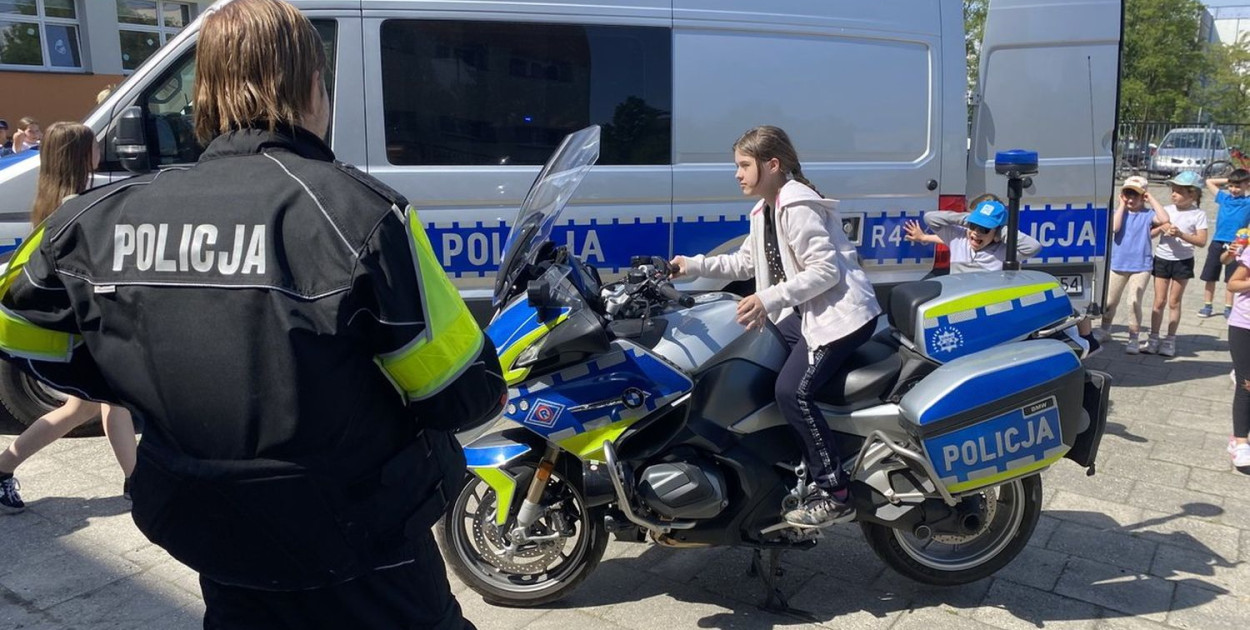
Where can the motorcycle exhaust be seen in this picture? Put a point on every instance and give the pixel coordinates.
(622, 499)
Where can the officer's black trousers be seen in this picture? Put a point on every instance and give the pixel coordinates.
(410, 596)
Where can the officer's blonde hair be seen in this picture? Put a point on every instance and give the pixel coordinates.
(65, 165)
(254, 67)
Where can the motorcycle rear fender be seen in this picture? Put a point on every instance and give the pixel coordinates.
(487, 456)
(1095, 402)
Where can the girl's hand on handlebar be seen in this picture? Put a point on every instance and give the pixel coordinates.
(751, 313)
(678, 264)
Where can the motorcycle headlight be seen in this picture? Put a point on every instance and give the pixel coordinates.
(529, 356)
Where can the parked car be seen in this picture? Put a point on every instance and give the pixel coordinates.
(1198, 149)
(1132, 156)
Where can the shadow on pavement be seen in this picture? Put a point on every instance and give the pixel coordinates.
(841, 579)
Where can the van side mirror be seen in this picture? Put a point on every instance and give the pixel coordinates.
(132, 141)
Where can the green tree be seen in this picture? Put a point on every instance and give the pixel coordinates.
(1163, 60)
(974, 32)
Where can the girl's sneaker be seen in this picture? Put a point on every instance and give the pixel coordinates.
(10, 500)
(1241, 458)
(822, 509)
(1152, 346)
(1133, 346)
(1205, 311)
(1167, 348)
(1101, 335)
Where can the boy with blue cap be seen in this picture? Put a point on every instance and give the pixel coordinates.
(1234, 214)
(977, 239)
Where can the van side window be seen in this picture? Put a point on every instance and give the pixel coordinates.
(478, 93)
(169, 107)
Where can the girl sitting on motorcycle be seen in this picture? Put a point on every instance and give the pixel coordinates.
(810, 285)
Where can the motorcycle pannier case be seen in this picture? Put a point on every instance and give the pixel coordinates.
(998, 414)
(956, 315)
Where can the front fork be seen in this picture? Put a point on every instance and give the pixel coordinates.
(531, 509)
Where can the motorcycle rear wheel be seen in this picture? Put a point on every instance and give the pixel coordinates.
(946, 560)
(537, 573)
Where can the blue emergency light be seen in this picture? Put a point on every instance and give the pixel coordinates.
(1016, 161)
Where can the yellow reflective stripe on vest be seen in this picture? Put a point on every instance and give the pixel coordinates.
(19, 337)
(451, 339)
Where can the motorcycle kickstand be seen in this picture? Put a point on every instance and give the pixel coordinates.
(774, 601)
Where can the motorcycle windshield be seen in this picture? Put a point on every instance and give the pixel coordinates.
(546, 198)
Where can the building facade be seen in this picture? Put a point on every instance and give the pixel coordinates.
(1228, 24)
(56, 55)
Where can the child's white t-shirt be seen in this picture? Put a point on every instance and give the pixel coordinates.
(1188, 222)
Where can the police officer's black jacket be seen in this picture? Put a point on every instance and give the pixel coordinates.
(238, 307)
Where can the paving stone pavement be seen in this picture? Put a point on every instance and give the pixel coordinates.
(1159, 538)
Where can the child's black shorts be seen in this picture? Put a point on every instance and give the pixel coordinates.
(1211, 268)
(1173, 269)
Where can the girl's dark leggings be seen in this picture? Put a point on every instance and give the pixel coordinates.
(1239, 346)
(797, 385)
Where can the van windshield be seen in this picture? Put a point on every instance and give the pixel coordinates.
(1193, 140)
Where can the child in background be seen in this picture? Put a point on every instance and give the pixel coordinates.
(977, 239)
(1234, 214)
(69, 156)
(1131, 260)
(1239, 348)
(27, 135)
(1174, 257)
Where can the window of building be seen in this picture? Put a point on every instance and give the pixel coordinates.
(39, 34)
(475, 93)
(147, 24)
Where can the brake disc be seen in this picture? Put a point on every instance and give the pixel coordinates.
(502, 554)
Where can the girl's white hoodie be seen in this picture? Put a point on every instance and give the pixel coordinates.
(823, 277)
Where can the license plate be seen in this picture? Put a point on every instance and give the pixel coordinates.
(1073, 285)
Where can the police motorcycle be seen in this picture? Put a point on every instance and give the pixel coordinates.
(641, 412)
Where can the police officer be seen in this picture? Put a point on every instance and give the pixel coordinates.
(281, 325)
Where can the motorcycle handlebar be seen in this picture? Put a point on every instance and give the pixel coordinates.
(667, 291)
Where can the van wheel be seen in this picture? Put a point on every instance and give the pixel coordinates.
(1007, 517)
(26, 399)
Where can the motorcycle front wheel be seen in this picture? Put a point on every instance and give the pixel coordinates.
(572, 541)
(1010, 514)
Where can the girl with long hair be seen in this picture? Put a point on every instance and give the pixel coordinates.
(68, 157)
(810, 285)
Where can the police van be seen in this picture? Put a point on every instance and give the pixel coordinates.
(457, 103)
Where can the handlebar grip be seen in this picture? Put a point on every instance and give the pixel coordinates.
(668, 291)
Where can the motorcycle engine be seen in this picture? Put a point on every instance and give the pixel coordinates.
(682, 490)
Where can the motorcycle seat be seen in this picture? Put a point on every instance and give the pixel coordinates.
(867, 376)
(905, 302)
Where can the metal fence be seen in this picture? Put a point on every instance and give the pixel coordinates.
(1163, 149)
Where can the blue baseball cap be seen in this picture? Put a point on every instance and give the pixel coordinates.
(989, 214)
(1186, 178)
